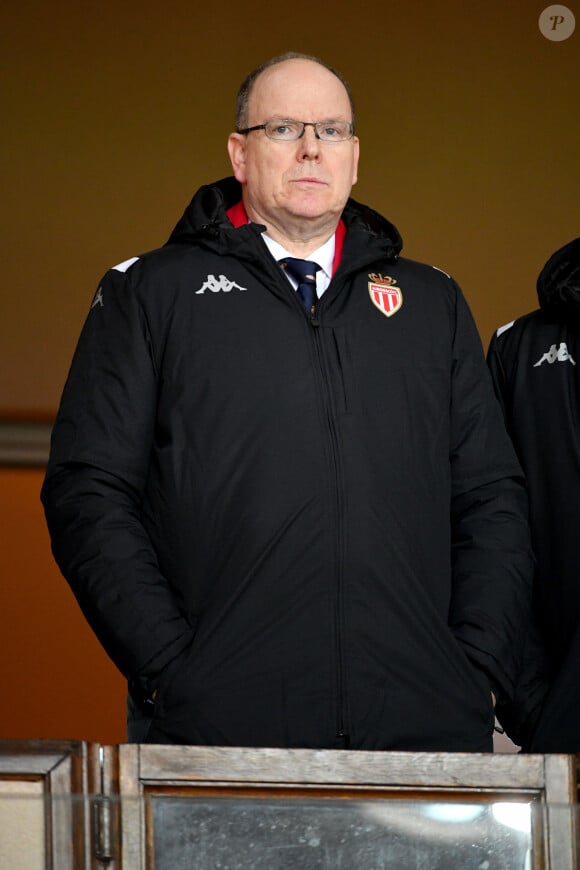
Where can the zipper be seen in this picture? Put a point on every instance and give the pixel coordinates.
(341, 731)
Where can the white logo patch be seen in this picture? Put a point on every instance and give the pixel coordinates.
(221, 284)
(556, 354)
(98, 300)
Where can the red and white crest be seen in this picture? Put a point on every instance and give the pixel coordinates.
(384, 294)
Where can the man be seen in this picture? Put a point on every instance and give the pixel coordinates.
(535, 364)
(292, 521)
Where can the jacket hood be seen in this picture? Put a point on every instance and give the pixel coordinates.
(558, 283)
(205, 216)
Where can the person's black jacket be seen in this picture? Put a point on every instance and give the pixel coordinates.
(301, 533)
(535, 365)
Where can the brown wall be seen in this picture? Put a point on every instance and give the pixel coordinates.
(113, 114)
(56, 682)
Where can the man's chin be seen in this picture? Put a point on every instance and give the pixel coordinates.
(313, 208)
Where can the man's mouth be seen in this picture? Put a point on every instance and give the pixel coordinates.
(308, 179)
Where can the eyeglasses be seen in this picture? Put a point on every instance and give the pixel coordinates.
(284, 130)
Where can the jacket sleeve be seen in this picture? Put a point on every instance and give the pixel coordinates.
(92, 492)
(520, 712)
(498, 376)
(491, 551)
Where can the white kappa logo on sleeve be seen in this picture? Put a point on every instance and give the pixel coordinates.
(556, 354)
(98, 300)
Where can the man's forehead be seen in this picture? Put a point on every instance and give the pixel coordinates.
(299, 83)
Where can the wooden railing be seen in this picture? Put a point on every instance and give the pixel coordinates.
(137, 807)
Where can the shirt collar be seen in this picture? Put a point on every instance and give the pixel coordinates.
(324, 255)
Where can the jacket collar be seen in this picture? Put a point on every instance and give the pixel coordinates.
(205, 220)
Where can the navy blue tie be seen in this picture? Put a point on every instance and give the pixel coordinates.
(303, 271)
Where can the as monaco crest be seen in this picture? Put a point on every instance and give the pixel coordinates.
(387, 298)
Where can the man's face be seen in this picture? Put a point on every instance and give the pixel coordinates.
(289, 184)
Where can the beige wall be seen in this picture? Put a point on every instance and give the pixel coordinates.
(113, 114)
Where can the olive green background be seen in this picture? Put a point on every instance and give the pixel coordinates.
(114, 113)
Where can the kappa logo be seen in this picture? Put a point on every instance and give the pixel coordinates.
(384, 295)
(556, 354)
(98, 300)
(221, 284)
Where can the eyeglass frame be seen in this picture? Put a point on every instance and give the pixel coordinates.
(305, 124)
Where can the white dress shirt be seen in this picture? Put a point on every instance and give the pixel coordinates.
(324, 256)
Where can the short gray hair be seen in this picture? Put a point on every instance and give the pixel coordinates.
(244, 93)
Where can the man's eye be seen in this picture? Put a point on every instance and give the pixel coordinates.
(284, 129)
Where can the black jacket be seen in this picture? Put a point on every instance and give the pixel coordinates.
(535, 364)
(303, 533)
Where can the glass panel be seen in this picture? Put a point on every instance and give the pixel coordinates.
(318, 834)
(209, 832)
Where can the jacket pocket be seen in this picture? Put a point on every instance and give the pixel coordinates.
(169, 681)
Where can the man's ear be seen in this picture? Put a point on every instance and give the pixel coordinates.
(356, 154)
(237, 152)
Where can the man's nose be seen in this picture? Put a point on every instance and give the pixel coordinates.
(309, 144)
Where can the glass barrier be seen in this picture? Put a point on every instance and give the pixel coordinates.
(183, 832)
(196, 834)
